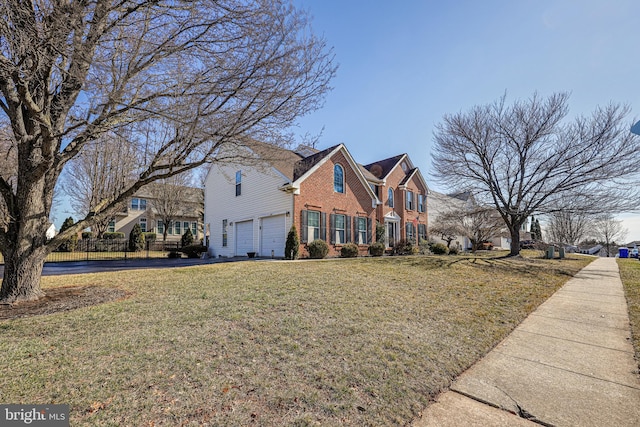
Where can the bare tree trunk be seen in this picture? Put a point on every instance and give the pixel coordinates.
(26, 251)
(515, 239)
(22, 270)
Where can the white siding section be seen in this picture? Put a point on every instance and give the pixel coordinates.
(260, 197)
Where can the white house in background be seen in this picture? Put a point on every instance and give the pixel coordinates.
(51, 232)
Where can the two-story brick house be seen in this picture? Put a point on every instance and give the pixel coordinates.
(252, 201)
(402, 191)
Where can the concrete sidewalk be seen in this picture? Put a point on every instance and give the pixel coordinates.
(570, 363)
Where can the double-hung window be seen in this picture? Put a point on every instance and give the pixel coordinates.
(410, 232)
(313, 225)
(176, 228)
(422, 231)
(112, 226)
(361, 230)
(160, 225)
(421, 206)
(409, 204)
(143, 224)
(138, 204)
(339, 229)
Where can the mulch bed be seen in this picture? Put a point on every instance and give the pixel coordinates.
(60, 299)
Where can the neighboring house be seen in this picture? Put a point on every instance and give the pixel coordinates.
(51, 232)
(440, 204)
(403, 193)
(141, 210)
(252, 202)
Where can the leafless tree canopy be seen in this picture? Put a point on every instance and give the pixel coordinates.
(478, 224)
(171, 198)
(607, 230)
(568, 227)
(101, 171)
(524, 159)
(178, 78)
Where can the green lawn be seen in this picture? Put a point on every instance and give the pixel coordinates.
(630, 273)
(362, 341)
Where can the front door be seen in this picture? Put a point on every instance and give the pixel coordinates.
(391, 233)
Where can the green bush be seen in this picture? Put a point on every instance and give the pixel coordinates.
(187, 238)
(424, 247)
(113, 235)
(403, 247)
(70, 244)
(87, 235)
(193, 251)
(292, 246)
(439, 249)
(453, 250)
(377, 249)
(136, 239)
(318, 249)
(174, 254)
(349, 250)
(150, 236)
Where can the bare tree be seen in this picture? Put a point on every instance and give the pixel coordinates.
(180, 78)
(568, 227)
(606, 229)
(102, 171)
(479, 224)
(523, 160)
(448, 226)
(173, 198)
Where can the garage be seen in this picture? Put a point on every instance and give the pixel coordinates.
(273, 235)
(244, 238)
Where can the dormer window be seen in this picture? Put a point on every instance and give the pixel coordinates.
(338, 179)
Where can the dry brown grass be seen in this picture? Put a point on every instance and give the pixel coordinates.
(340, 342)
(630, 274)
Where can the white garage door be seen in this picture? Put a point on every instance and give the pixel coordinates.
(273, 236)
(244, 238)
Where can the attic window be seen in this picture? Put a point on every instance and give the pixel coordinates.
(338, 179)
(405, 168)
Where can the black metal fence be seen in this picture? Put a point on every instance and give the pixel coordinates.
(115, 249)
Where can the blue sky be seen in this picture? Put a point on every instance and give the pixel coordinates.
(405, 64)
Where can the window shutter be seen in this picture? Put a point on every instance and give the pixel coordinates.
(369, 234)
(323, 226)
(347, 229)
(304, 232)
(332, 229)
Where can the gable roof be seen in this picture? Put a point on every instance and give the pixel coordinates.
(307, 166)
(382, 168)
(307, 163)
